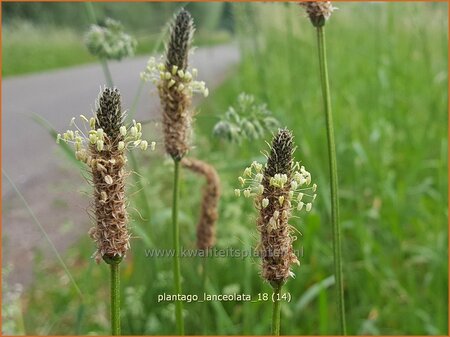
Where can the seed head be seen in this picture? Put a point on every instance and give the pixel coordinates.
(318, 11)
(181, 32)
(175, 100)
(102, 148)
(211, 194)
(278, 188)
(280, 157)
(109, 113)
(276, 242)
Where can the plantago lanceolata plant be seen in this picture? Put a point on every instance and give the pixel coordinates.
(101, 144)
(319, 12)
(278, 188)
(176, 85)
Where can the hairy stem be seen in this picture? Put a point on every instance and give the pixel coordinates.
(333, 178)
(115, 299)
(276, 311)
(176, 247)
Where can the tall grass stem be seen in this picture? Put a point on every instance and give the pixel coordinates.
(115, 299)
(337, 253)
(176, 247)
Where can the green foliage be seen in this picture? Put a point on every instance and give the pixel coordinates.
(110, 42)
(138, 17)
(28, 48)
(247, 121)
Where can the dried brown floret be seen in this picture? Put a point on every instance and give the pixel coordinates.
(175, 101)
(318, 11)
(108, 176)
(276, 240)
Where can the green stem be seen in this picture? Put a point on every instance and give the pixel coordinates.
(115, 299)
(276, 311)
(176, 247)
(204, 306)
(107, 73)
(93, 18)
(333, 178)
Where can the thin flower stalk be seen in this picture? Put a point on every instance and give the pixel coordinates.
(176, 85)
(319, 12)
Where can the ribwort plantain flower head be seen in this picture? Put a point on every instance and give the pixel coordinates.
(279, 187)
(318, 11)
(101, 143)
(181, 33)
(176, 84)
(206, 227)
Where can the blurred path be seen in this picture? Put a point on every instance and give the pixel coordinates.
(29, 154)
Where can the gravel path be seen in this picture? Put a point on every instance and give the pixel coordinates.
(31, 158)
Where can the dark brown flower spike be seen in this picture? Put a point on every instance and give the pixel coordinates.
(280, 186)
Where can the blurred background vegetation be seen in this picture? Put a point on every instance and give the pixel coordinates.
(388, 69)
(40, 36)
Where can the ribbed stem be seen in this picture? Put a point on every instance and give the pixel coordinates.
(115, 299)
(276, 311)
(333, 178)
(176, 247)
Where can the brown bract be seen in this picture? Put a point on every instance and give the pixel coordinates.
(108, 175)
(318, 11)
(276, 240)
(177, 119)
(206, 228)
(176, 103)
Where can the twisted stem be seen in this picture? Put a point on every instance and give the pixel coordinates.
(337, 253)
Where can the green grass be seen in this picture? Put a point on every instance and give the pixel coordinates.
(28, 49)
(388, 73)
